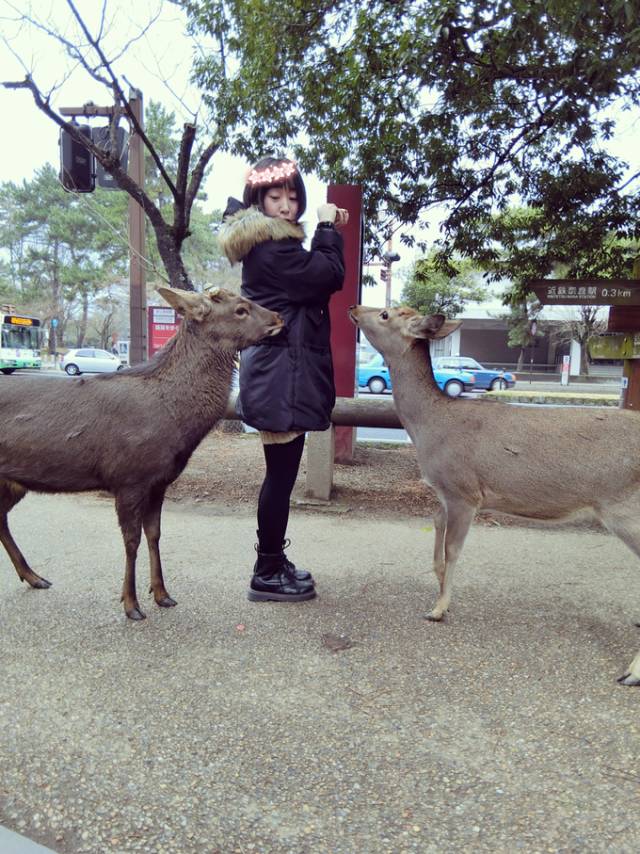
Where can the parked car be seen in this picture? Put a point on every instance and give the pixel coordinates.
(374, 375)
(486, 378)
(89, 360)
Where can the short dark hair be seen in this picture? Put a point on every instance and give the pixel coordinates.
(254, 194)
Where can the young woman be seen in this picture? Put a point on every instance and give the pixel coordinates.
(286, 382)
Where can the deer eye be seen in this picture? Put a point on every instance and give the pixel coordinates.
(384, 315)
(242, 311)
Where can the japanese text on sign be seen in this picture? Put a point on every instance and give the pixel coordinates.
(594, 292)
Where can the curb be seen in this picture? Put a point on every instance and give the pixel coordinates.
(555, 398)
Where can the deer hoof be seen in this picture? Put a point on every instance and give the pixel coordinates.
(135, 614)
(34, 580)
(435, 617)
(628, 679)
(166, 601)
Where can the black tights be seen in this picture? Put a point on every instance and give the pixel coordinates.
(283, 462)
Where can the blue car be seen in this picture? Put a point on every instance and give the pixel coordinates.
(486, 378)
(374, 375)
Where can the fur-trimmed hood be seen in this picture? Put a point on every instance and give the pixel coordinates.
(247, 227)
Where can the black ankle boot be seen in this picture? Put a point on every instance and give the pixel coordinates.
(274, 581)
(300, 574)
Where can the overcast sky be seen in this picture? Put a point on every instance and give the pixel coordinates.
(158, 64)
(162, 56)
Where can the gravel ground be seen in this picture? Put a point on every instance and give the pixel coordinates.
(228, 468)
(344, 725)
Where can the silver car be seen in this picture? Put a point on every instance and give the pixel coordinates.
(88, 360)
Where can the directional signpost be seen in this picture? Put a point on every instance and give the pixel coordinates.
(622, 341)
(623, 292)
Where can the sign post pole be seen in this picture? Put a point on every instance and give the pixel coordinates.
(628, 320)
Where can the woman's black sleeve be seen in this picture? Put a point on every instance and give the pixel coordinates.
(308, 276)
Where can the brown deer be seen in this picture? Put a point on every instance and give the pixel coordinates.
(546, 464)
(130, 433)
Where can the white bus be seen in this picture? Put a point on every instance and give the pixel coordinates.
(20, 342)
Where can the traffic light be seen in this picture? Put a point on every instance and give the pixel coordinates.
(76, 162)
(384, 274)
(102, 138)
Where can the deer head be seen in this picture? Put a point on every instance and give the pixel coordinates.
(238, 322)
(393, 330)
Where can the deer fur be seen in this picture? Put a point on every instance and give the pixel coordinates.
(130, 433)
(542, 464)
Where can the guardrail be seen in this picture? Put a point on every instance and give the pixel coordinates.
(348, 412)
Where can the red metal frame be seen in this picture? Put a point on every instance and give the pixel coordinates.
(343, 331)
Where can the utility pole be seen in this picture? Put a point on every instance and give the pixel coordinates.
(137, 273)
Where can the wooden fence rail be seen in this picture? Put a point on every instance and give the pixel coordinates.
(348, 412)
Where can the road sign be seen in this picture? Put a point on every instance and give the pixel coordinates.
(163, 325)
(586, 291)
(615, 346)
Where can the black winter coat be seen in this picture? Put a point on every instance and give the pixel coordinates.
(286, 382)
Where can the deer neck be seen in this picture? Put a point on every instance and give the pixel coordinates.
(415, 390)
(201, 377)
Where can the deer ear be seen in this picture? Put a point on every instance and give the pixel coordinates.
(431, 326)
(186, 303)
(447, 328)
(214, 293)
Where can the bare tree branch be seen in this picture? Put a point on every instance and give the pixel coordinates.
(109, 160)
(629, 181)
(73, 50)
(114, 83)
(198, 174)
(169, 237)
(184, 158)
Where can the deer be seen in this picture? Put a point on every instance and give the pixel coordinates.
(546, 465)
(129, 433)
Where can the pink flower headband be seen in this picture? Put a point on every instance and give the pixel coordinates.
(271, 175)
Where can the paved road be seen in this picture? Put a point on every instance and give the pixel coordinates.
(226, 726)
(374, 434)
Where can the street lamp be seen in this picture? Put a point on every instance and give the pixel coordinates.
(385, 274)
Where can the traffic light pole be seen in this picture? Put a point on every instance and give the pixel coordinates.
(137, 276)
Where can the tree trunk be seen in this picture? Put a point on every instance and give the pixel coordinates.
(58, 339)
(82, 328)
(172, 258)
(584, 359)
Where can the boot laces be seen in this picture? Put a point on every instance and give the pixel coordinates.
(289, 565)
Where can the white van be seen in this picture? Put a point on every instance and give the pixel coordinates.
(121, 350)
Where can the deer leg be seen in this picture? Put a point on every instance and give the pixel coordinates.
(129, 507)
(459, 516)
(151, 524)
(440, 525)
(10, 494)
(622, 520)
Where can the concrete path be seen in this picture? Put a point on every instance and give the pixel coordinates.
(347, 724)
(14, 843)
